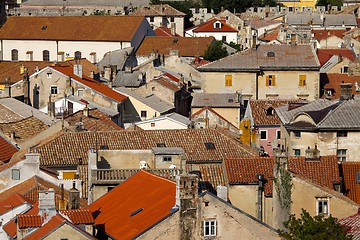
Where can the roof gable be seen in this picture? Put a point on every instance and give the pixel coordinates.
(215, 25)
(7, 150)
(325, 54)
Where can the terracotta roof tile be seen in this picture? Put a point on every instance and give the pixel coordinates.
(270, 35)
(211, 176)
(326, 33)
(78, 28)
(192, 141)
(7, 150)
(79, 216)
(187, 46)
(325, 54)
(24, 129)
(115, 212)
(260, 23)
(96, 121)
(352, 186)
(168, 84)
(333, 80)
(91, 83)
(13, 201)
(52, 224)
(29, 221)
(209, 27)
(164, 32)
(352, 225)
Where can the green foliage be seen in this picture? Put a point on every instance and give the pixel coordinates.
(215, 51)
(283, 185)
(234, 45)
(236, 5)
(338, 3)
(100, 13)
(308, 228)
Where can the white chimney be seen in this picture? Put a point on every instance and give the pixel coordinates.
(78, 70)
(47, 207)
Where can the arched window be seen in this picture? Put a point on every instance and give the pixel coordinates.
(46, 55)
(14, 55)
(77, 55)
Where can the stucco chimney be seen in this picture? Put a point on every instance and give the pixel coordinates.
(86, 111)
(345, 91)
(78, 70)
(74, 198)
(312, 154)
(47, 207)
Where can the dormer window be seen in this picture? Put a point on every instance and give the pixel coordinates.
(217, 24)
(270, 111)
(271, 54)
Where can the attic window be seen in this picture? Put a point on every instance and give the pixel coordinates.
(160, 145)
(104, 147)
(270, 111)
(217, 25)
(271, 54)
(136, 212)
(175, 40)
(44, 28)
(209, 145)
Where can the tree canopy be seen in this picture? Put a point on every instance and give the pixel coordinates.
(215, 51)
(308, 228)
(338, 3)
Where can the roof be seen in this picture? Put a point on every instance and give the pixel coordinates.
(164, 32)
(24, 129)
(187, 46)
(7, 150)
(91, 83)
(350, 172)
(270, 35)
(211, 176)
(204, 111)
(325, 20)
(150, 100)
(78, 28)
(323, 172)
(326, 33)
(325, 54)
(79, 216)
(84, 3)
(352, 225)
(259, 111)
(135, 205)
(78, 144)
(157, 10)
(128, 79)
(54, 223)
(92, 105)
(274, 57)
(333, 80)
(209, 26)
(172, 116)
(117, 57)
(260, 23)
(169, 83)
(96, 121)
(12, 202)
(29, 221)
(228, 100)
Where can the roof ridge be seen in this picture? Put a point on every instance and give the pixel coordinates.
(332, 111)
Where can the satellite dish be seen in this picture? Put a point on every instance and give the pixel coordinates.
(172, 166)
(143, 165)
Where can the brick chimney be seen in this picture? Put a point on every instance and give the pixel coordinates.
(345, 91)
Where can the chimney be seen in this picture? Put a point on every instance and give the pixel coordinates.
(86, 111)
(26, 84)
(312, 154)
(78, 70)
(293, 39)
(254, 41)
(51, 107)
(261, 181)
(32, 161)
(13, 136)
(47, 207)
(345, 91)
(74, 197)
(62, 202)
(92, 74)
(187, 201)
(173, 29)
(222, 192)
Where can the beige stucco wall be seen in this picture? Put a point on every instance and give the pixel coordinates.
(339, 205)
(338, 68)
(125, 159)
(331, 42)
(245, 197)
(66, 232)
(230, 114)
(133, 108)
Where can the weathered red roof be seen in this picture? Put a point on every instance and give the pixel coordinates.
(352, 225)
(352, 187)
(6, 150)
(135, 205)
(164, 32)
(325, 54)
(12, 201)
(79, 216)
(91, 83)
(333, 80)
(326, 33)
(209, 27)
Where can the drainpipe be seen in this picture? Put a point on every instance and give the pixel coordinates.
(261, 181)
(257, 86)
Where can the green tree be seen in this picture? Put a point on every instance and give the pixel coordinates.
(215, 51)
(338, 3)
(308, 228)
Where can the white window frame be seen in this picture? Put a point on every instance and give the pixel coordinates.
(210, 228)
(341, 154)
(51, 88)
(322, 200)
(266, 132)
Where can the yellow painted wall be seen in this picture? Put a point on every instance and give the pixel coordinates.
(301, 3)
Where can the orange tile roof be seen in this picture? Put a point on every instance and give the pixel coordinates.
(115, 212)
(13, 201)
(352, 187)
(96, 121)
(91, 83)
(79, 216)
(325, 54)
(209, 27)
(164, 32)
(78, 28)
(7, 150)
(352, 225)
(187, 46)
(29, 221)
(211, 176)
(167, 83)
(192, 141)
(270, 35)
(323, 34)
(333, 80)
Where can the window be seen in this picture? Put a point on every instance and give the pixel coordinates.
(14, 55)
(263, 135)
(223, 38)
(209, 145)
(278, 134)
(80, 92)
(54, 90)
(217, 25)
(143, 114)
(15, 174)
(296, 152)
(345, 69)
(270, 111)
(46, 55)
(209, 228)
(341, 154)
(228, 80)
(77, 55)
(297, 134)
(270, 80)
(160, 145)
(152, 124)
(69, 175)
(172, 19)
(302, 80)
(341, 134)
(167, 158)
(49, 75)
(93, 57)
(29, 55)
(151, 19)
(322, 206)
